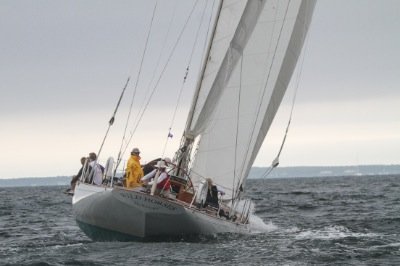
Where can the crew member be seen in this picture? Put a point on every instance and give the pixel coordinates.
(134, 171)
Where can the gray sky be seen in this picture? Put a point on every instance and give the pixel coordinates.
(64, 64)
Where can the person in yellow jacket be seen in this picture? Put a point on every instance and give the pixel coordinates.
(134, 171)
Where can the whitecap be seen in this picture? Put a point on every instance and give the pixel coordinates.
(332, 232)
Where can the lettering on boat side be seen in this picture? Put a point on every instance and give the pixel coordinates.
(147, 201)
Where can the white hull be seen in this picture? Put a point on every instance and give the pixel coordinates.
(118, 213)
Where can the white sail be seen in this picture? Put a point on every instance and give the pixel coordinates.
(227, 23)
(241, 92)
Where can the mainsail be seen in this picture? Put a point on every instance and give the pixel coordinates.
(250, 63)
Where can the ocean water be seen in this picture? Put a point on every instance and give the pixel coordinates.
(301, 221)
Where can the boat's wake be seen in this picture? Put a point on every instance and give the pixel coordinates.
(257, 225)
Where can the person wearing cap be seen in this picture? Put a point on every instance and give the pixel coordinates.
(134, 171)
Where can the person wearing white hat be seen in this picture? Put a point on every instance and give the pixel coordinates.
(163, 184)
(152, 170)
(134, 170)
(167, 160)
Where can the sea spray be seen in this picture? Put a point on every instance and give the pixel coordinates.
(258, 226)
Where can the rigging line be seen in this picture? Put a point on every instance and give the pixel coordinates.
(266, 83)
(111, 122)
(137, 81)
(119, 101)
(184, 79)
(206, 38)
(267, 172)
(260, 100)
(204, 58)
(158, 60)
(275, 163)
(161, 75)
(237, 125)
(185, 156)
(198, 86)
(204, 178)
(268, 52)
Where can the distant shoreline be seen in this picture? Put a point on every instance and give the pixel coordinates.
(255, 173)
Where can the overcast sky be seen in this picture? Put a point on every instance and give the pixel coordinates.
(64, 63)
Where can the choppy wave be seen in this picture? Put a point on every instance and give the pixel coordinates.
(317, 221)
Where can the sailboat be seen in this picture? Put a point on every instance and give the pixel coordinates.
(250, 58)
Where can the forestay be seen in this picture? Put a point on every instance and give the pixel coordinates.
(253, 54)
